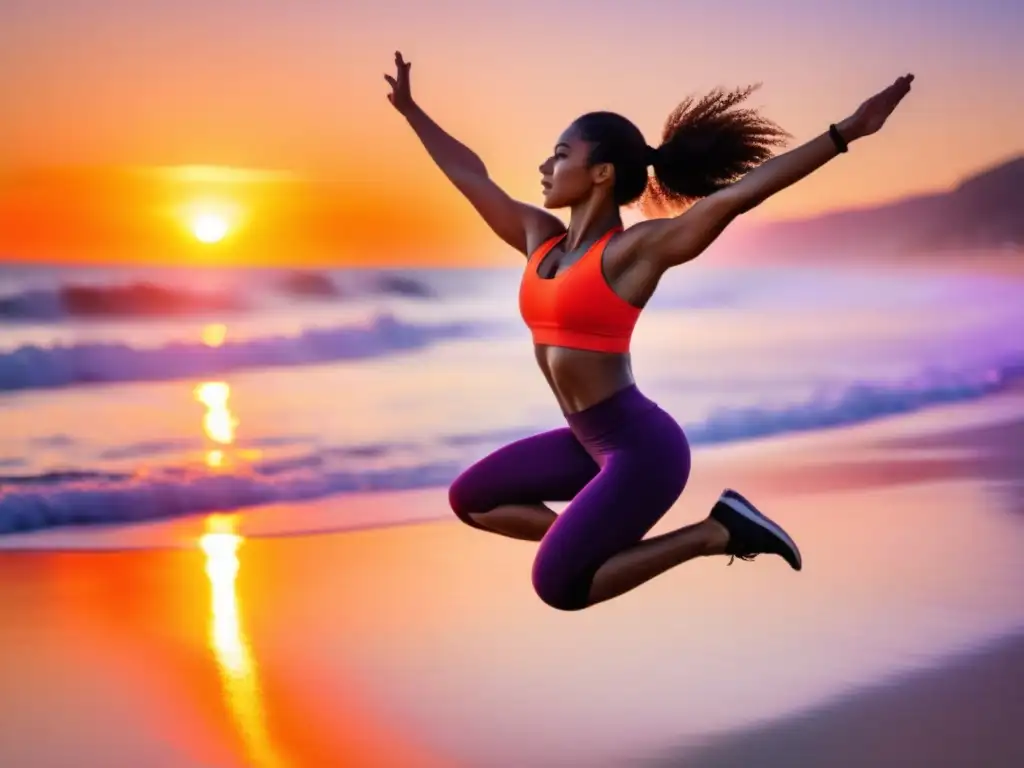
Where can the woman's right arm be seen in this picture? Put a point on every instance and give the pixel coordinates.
(522, 226)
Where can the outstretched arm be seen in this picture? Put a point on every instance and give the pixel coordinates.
(522, 226)
(673, 241)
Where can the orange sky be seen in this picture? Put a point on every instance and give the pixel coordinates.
(99, 96)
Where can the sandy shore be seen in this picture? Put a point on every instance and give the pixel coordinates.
(965, 712)
(424, 645)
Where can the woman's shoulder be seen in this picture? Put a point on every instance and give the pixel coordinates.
(628, 245)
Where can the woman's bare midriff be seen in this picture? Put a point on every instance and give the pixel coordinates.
(580, 378)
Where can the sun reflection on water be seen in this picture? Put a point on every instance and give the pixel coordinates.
(214, 334)
(229, 644)
(219, 422)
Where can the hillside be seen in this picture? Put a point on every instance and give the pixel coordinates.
(985, 211)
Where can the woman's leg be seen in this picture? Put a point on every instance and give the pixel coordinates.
(504, 492)
(596, 549)
(734, 527)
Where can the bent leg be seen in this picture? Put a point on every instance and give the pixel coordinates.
(505, 492)
(596, 549)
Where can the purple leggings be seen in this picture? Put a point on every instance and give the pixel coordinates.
(621, 463)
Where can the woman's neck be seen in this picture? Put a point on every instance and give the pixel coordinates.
(590, 221)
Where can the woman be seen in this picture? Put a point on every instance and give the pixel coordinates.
(622, 461)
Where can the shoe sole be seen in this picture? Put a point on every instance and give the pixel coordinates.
(741, 506)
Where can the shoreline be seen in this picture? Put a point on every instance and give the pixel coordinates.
(803, 448)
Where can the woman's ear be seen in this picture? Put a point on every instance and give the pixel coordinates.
(602, 173)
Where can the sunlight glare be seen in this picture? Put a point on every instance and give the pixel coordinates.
(214, 334)
(218, 422)
(211, 219)
(210, 228)
(230, 647)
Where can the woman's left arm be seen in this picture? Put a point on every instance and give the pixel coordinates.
(673, 241)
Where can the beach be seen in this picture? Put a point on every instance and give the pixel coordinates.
(964, 712)
(261, 307)
(423, 643)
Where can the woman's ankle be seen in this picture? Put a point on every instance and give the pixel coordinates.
(716, 537)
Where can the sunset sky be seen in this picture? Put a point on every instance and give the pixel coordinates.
(111, 111)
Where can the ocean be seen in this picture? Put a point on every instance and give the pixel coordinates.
(142, 394)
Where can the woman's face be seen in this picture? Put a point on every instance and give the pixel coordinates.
(567, 176)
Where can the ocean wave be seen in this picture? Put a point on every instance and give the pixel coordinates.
(322, 285)
(856, 403)
(152, 299)
(35, 367)
(105, 302)
(84, 497)
(96, 498)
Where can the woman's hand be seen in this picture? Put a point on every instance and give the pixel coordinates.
(872, 114)
(401, 92)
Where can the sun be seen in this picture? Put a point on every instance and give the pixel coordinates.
(211, 219)
(210, 227)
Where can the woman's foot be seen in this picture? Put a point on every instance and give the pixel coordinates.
(751, 533)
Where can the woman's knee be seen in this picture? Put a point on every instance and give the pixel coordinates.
(560, 584)
(467, 496)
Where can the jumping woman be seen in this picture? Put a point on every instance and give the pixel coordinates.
(621, 461)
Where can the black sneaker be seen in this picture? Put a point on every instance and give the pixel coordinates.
(751, 533)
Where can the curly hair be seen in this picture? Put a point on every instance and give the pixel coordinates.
(707, 144)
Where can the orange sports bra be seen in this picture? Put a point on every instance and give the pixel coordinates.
(576, 308)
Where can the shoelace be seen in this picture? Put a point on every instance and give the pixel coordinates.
(748, 558)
